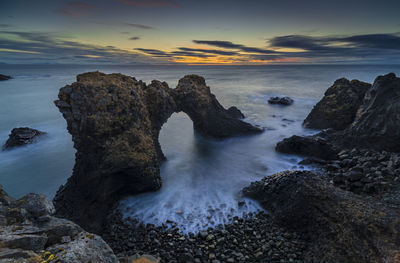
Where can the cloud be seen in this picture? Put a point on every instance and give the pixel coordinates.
(209, 51)
(154, 52)
(4, 26)
(45, 47)
(174, 54)
(134, 38)
(149, 3)
(138, 26)
(76, 9)
(230, 45)
(380, 41)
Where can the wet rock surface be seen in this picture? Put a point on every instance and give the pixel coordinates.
(315, 146)
(286, 101)
(4, 77)
(338, 108)
(339, 225)
(22, 136)
(30, 233)
(115, 121)
(252, 238)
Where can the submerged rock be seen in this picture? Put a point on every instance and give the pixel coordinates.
(115, 121)
(30, 233)
(4, 77)
(338, 108)
(341, 226)
(22, 136)
(281, 100)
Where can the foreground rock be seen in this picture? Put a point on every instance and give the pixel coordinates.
(286, 101)
(22, 136)
(341, 226)
(253, 238)
(4, 77)
(338, 108)
(30, 233)
(115, 121)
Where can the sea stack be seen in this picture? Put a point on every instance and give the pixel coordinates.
(115, 121)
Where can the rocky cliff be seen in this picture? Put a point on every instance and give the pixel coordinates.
(378, 118)
(338, 108)
(115, 121)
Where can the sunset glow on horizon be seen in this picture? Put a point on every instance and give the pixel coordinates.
(199, 32)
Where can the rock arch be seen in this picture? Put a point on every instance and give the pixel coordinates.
(115, 122)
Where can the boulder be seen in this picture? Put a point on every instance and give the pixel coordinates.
(340, 226)
(4, 77)
(378, 118)
(315, 146)
(286, 101)
(115, 122)
(338, 108)
(29, 233)
(22, 136)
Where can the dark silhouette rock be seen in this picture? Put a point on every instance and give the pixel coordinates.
(341, 226)
(378, 118)
(4, 77)
(314, 146)
(115, 121)
(338, 108)
(286, 101)
(22, 136)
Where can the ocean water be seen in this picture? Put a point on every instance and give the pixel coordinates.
(202, 177)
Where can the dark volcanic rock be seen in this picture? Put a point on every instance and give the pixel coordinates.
(115, 122)
(281, 100)
(378, 118)
(308, 146)
(4, 77)
(30, 233)
(338, 108)
(22, 136)
(341, 226)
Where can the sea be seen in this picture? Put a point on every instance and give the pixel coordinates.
(202, 177)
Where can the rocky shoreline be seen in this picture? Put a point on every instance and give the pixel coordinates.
(251, 238)
(346, 210)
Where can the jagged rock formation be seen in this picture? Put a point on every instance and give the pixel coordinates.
(22, 136)
(4, 77)
(338, 108)
(341, 226)
(115, 121)
(374, 122)
(30, 233)
(378, 118)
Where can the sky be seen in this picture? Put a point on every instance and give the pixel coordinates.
(199, 32)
